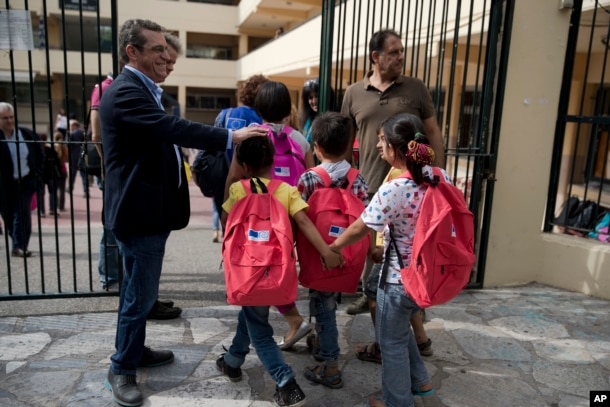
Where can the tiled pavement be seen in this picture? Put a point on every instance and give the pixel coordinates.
(519, 346)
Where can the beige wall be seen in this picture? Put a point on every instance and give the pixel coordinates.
(518, 251)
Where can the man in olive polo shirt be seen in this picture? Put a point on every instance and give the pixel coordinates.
(383, 93)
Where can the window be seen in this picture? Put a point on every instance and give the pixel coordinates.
(208, 52)
(598, 154)
(89, 35)
(211, 46)
(22, 91)
(207, 101)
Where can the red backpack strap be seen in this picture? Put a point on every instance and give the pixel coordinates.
(351, 176)
(437, 171)
(406, 174)
(273, 185)
(246, 184)
(323, 174)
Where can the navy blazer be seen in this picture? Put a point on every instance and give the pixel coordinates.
(141, 192)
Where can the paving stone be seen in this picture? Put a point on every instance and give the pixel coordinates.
(22, 346)
(530, 327)
(570, 378)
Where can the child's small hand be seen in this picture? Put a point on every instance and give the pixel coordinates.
(332, 259)
(376, 254)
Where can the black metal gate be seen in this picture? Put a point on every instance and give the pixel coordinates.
(460, 50)
(56, 52)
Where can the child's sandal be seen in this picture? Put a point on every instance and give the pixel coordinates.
(317, 374)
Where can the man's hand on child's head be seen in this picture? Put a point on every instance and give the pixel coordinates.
(247, 132)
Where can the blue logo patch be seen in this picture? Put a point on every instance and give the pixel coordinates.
(258, 235)
(335, 231)
(282, 171)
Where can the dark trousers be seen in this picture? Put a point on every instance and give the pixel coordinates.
(16, 210)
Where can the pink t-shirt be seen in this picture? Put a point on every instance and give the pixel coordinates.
(96, 94)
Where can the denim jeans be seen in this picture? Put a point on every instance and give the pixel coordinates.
(143, 260)
(253, 327)
(323, 305)
(108, 264)
(215, 217)
(402, 366)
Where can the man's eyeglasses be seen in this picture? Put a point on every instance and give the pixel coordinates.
(157, 49)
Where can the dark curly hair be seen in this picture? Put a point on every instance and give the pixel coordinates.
(399, 131)
(248, 89)
(257, 153)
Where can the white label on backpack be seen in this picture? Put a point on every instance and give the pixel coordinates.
(282, 171)
(258, 235)
(453, 234)
(335, 231)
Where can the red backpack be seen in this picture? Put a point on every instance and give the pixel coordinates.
(258, 249)
(289, 160)
(332, 210)
(443, 246)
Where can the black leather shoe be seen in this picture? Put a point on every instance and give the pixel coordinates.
(160, 311)
(167, 303)
(124, 389)
(155, 358)
(21, 253)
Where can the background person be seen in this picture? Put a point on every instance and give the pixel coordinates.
(20, 172)
(383, 93)
(309, 106)
(61, 149)
(76, 137)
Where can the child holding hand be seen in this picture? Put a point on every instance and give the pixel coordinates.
(255, 156)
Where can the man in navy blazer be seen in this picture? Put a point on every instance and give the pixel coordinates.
(20, 169)
(146, 192)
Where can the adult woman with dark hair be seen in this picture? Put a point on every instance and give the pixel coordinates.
(309, 106)
(235, 118)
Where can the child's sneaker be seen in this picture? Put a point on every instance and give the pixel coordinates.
(233, 373)
(290, 395)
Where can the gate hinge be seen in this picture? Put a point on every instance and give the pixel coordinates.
(488, 175)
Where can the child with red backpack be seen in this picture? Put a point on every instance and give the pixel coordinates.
(292, 156)
(256, 158)
(337, 195)
(394, 209)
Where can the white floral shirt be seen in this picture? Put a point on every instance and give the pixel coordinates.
(397, 203)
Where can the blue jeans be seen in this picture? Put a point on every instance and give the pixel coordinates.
(143, 260)
(215, 217)
(253, 327)
(108, 264)
(402, 366)
(323, 305)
